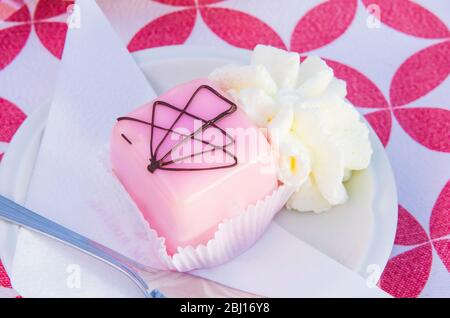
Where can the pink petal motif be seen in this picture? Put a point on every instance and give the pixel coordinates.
(170, 29)
(8, 8)
(406, 274)
(409, 230)
(428, 126)
(240, 29)
(11, 117)
(12, 41)
(323, 24)
(52, 36)
(4, 279)
(381, 122)
(410, 18)
(180, 3)
(51, 8)
(442, 247)
(440, 216)
(362, 92)
(21, 15)
(420, 74)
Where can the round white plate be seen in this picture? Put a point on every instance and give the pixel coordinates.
(357, 234)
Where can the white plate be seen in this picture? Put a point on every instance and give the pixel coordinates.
(357, 234)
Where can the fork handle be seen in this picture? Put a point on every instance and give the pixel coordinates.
(15, 213)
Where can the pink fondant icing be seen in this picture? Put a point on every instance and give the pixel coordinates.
(185, 207)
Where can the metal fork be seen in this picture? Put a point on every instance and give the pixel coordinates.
(13, 212)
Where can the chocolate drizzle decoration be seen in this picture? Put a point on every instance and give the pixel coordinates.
(161, 162)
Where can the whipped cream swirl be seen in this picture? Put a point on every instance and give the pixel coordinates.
(318, 135)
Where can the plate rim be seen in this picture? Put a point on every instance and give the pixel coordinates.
(21, 140)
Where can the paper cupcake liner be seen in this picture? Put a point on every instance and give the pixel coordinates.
(233, 236)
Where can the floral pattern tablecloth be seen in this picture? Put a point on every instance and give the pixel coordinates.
(394, 55)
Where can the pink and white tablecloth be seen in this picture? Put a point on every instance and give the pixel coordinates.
(396, 70)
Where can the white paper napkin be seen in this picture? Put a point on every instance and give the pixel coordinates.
(99, 81)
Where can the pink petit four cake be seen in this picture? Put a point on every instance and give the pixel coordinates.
(185, 160)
